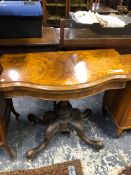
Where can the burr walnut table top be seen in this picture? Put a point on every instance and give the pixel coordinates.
(126, 61)
(62, 75)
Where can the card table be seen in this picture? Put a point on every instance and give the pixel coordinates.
(61, 76)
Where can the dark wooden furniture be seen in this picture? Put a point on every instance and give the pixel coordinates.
(4, 120)
(113, 4)
(71, 38)
(123, 6)
(118, 102)
(5, 111)
(75, 5)
(84, 37)
(49, 38)
(62, 76)
(55, 10)
(104, 10)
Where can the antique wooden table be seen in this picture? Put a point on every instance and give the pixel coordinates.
(61, 76)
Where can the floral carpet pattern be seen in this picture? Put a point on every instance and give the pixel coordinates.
(23, 135)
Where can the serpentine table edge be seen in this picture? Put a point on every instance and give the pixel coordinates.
(62, 75)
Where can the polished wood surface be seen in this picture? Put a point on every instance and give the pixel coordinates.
(49, 37)
(87, 38)
(126, 61)
(62, 75)
(119, 101)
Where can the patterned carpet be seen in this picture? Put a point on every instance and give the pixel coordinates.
(65, 168)
(24, 135)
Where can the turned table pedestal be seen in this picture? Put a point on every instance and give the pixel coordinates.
(61, 76)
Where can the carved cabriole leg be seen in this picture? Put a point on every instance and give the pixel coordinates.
(10, 102)
(50, 131)
(48, 118)
(5, 145)
(35, 119)
(86, 113)
(63, 118)
(4, 123)
(78, 127)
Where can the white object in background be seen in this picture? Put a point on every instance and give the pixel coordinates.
(85, 17)
(112, 21)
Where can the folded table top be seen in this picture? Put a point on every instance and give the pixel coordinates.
(63, 72)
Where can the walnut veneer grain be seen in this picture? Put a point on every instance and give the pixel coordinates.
(62, 75)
